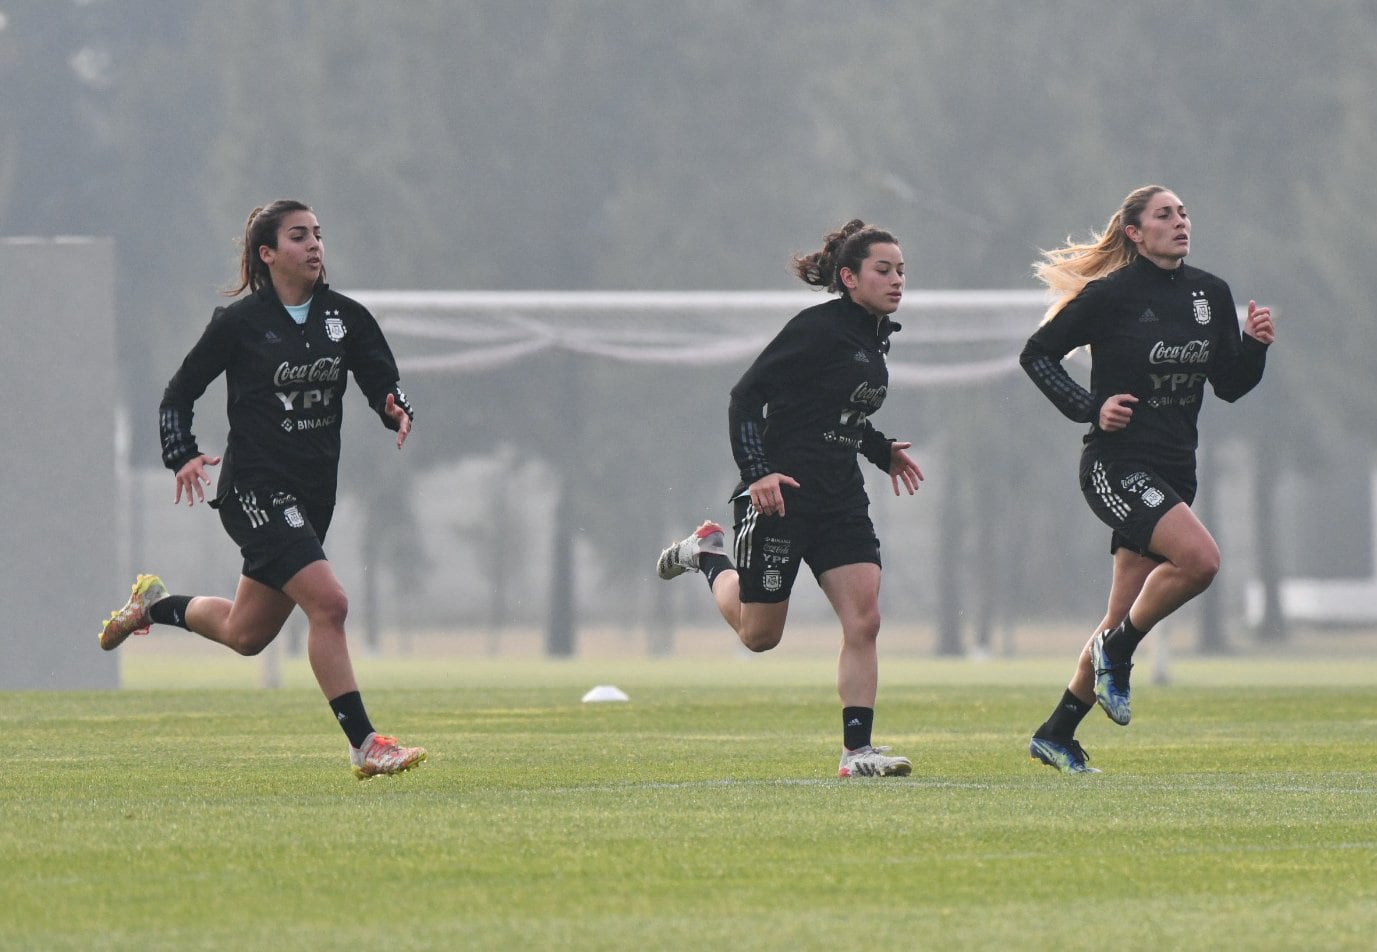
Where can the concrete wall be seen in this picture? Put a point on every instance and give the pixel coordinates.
(60, 569)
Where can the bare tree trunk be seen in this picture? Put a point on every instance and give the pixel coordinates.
(372, 573)
(1212, 640)
(503, 546)
(1272, 627)
(949, 577)
(661, 624)
(560, 634)
(988, 570)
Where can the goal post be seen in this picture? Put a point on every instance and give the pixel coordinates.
(949, 339)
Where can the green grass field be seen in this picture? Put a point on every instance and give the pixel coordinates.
(1239, 811)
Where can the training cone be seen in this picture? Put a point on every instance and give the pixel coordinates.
(605, 692)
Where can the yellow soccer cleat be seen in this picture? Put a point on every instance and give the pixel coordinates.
(133, 619)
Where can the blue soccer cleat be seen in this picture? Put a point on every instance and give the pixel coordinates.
(1064, 753)
(1111, 681)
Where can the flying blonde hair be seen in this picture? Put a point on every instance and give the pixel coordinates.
(1068, 269)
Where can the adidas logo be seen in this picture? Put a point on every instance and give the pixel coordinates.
(861, 357)
(1148, 317)
(854, 722)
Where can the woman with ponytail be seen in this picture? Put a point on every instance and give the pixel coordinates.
(1158, 331)
(286, 349)
(797, 420)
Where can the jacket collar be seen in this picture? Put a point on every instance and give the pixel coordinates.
(268, 293)
(883, 325)
(1161, 274)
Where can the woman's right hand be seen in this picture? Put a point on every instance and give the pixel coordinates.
(1117, 411)
(767, 493)
(192, 479)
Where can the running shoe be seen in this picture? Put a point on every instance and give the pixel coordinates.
(383, 755)
(872, 762)
(133, 619)
(682, 556)
(1064, 753)
(1111, 681)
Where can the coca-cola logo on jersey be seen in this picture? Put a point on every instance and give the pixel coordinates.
(1191, 352)
(324, 370)
(868, 396)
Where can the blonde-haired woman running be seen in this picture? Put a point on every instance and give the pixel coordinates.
(1158, 331)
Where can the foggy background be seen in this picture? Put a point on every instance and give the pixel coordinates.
(668, 147)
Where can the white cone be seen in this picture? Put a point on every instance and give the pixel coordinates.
(605, 692)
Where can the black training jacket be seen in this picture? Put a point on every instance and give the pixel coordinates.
(285, 389)
(1159, 335)
(802, 408)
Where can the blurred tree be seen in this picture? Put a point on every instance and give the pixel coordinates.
(612, 144)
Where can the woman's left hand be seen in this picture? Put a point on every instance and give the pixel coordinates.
(394, 410)
(902, 467)
(1259, 324)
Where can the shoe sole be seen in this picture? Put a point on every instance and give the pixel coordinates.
(898, 770)
(362, 774)
(1065, 770)
(666, 569)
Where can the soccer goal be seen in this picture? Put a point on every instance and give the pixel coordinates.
(584, 376)
(949, 337)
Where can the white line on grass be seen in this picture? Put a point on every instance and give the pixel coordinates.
(1119, 784)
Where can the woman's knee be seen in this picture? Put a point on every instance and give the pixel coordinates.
(248, 624)
(248, 633)
(1200, 565)
(330, 610)
(761, 625)
(863, 626)
(757, 637)
(248, 647)
(251, 640)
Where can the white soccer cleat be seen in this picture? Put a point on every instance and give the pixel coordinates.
(682, 556)
(381, 754)
(872, 762)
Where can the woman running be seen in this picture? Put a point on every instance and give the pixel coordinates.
(1158, 331)
(286, 349)
(797, 419)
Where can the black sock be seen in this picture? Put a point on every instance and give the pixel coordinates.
(1066, 717)
(712, 564)
(1122, 641)
(352, 717)
(170, 611)
(856, 723)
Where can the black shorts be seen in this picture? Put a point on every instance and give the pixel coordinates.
(769, 549)
(277, 534)
(1132, 498)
